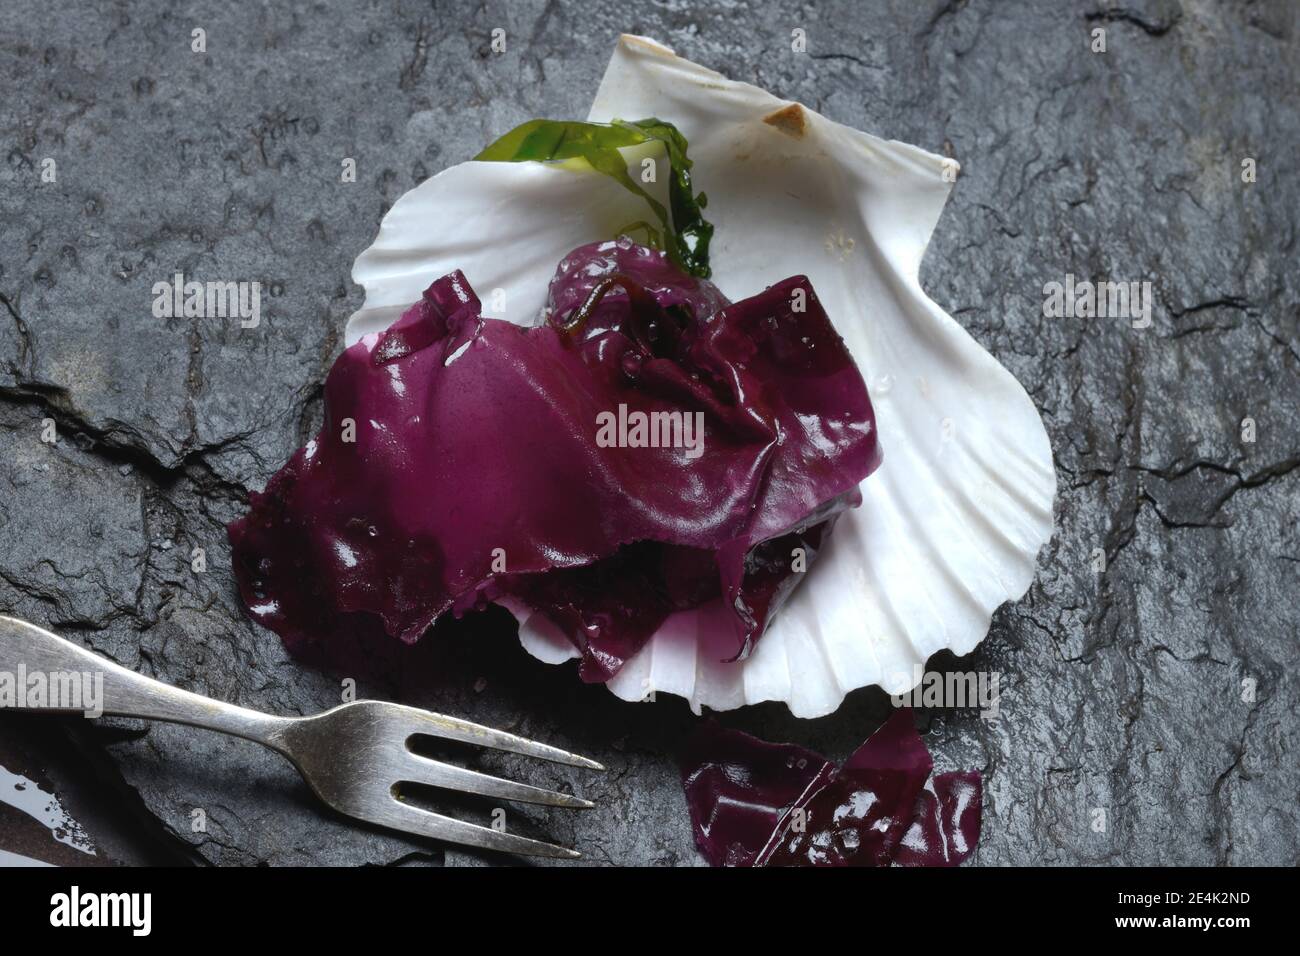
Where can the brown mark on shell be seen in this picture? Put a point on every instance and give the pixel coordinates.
(790, 120)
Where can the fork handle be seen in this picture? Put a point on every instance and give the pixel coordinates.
(124, 692)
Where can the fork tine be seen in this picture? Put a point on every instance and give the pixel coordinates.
(434, 773)
(463, 731)
(411, 819)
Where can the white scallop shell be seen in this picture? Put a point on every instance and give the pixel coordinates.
(952, 522)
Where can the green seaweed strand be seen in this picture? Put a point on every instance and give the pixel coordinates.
(686, 233)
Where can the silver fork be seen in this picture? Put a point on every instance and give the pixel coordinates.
(353, 756)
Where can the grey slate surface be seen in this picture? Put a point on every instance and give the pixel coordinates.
(1121, 691)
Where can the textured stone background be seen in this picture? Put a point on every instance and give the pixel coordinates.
(1121, 690)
